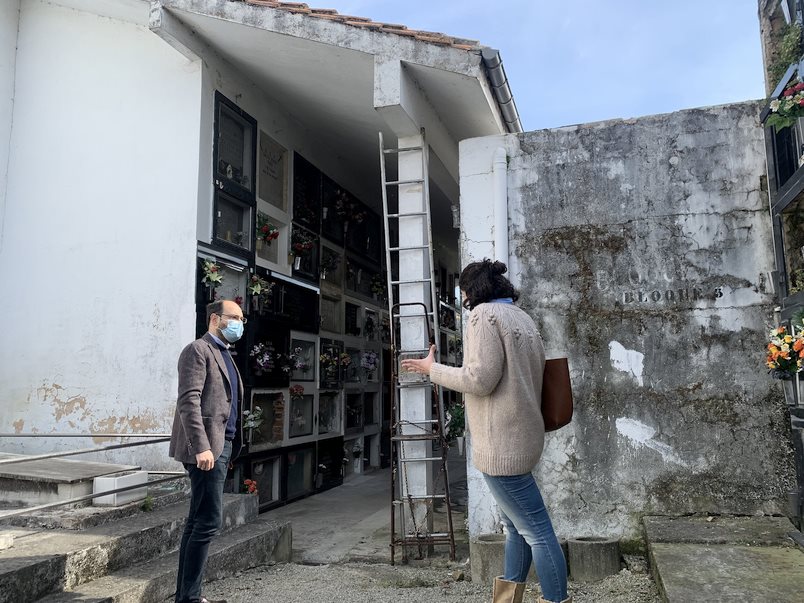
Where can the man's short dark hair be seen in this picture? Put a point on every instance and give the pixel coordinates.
(215, 307)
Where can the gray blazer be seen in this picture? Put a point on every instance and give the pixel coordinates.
(204, 402)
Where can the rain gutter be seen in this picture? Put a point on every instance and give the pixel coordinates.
(502, 91)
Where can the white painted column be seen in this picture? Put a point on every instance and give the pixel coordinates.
(414, 264)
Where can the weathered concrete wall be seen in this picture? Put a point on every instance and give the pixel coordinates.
(642, 249)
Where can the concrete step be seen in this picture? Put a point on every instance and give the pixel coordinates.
(257, 543)
(50, 480)
(49, 561)
(725, 559)
(65, 518)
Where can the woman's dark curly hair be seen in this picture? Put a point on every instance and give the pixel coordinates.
(483, 281)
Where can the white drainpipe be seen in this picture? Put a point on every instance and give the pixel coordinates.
(499, 170)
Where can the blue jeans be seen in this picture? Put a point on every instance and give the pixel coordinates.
(530, 534)
(203, 522)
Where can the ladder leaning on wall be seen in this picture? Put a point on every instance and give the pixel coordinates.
(413, 514)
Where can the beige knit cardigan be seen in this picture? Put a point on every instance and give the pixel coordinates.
(501, 376)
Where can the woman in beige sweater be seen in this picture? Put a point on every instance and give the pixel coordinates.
(502, 379)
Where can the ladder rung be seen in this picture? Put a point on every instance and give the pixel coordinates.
(412, 282)
(419, 497)
(422, 536)
(398, 182)
(414, 384)
(401, 150)
(427, 351)
(412, 214)
(422, 459)
(413, 438)
(409, 248)
(419, 422)
(413, 316)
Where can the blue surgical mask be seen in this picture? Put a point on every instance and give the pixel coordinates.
(233, 331)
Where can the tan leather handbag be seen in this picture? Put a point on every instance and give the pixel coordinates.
(556, 394)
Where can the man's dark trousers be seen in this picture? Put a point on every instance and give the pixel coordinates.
(203, 522)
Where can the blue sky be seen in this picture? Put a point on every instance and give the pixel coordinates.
(577, 61)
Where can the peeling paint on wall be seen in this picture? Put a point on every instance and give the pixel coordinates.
(628, 361)
(643, 435)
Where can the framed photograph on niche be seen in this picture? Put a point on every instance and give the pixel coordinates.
(273, 172)
(306, 193)
(234, 151)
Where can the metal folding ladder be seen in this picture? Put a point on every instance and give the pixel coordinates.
(416, 512)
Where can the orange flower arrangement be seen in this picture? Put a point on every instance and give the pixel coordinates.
(785, 353)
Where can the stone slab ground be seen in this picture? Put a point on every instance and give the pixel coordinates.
(725, 559)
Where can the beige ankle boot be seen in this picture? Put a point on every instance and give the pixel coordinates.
(507, 592)
(543, 600)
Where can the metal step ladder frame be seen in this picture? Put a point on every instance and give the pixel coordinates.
(398, 438)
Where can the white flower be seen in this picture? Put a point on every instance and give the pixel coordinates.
(774, 105)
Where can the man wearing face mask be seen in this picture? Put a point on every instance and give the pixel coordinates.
(204, 426)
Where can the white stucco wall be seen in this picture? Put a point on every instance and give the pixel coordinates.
(99, 252)
(9, 19)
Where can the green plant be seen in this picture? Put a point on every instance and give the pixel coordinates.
(147, 504)
(456, 421)
(789, 52)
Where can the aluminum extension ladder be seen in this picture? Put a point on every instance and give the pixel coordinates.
(416, 512)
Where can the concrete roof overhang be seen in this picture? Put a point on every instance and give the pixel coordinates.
(347, 83)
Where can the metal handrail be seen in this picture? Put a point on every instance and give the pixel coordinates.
(173, 476)
(84, 435)
(156, 439)
(53, 455)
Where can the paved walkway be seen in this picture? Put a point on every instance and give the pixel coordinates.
(352, 522)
